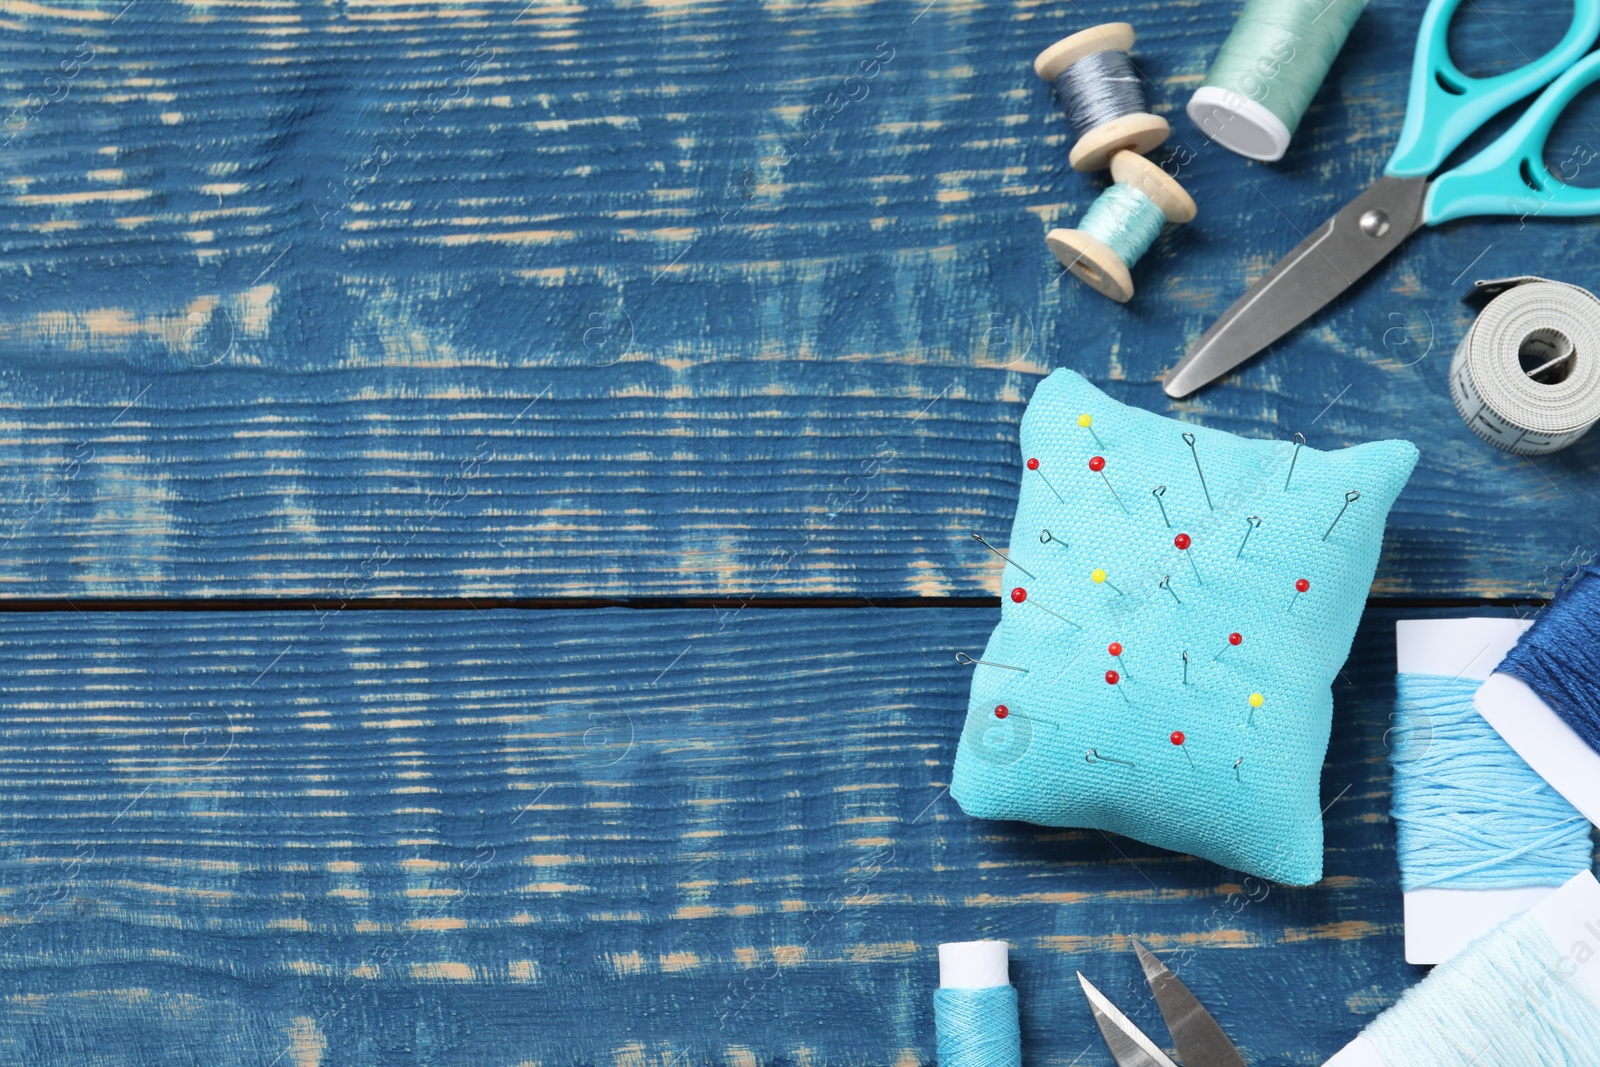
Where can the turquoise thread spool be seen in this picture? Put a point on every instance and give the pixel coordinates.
(975, 1006)
(1269, 68)
(1120, 225)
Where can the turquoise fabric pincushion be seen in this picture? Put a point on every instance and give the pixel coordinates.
(1136, 709)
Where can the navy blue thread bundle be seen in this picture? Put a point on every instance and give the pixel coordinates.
(1559, 656)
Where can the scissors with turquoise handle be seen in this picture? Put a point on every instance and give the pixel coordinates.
(1445, 107)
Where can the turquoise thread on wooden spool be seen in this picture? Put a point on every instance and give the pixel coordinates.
(1120, 225)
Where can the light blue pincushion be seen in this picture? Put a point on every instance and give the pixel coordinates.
(1242, 789)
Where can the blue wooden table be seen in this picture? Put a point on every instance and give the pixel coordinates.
(487, 510)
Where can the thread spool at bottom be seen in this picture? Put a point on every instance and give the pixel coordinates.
(975, 1006)
(1120, 122)
(1120, 226)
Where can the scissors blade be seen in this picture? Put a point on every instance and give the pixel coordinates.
(1200, 1041)
(1128, 1044)
(1321, 267)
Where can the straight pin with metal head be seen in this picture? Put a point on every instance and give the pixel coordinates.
(967, 661)
(1299, 443)
(1045, 537)
(1188, 439)
(1349, 498)
(1186, 666)
(1251, 524)
(1236, 769)
(1166, 583)
(1092, 756)
(979, 538)
(1158, 492)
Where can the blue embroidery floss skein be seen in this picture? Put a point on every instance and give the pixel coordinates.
(1101, 95)
(1544, 698)
(1468, 812)
(975, 1006)
(1121, 225)
(1267, 71)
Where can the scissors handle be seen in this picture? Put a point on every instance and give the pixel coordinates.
(1446, 106)
(1510, 177)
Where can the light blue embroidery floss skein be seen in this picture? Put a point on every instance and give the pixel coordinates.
(1468, 812)
(1267, 71)
(1101, 94)
(1513, 998)
(975, 1006)
(1120, 225)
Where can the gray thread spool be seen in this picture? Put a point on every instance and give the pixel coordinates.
(1101, 95)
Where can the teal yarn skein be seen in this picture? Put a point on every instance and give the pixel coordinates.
(1504, 1001)
(978, 1027)
(1267, 71)
(1125, 221)
(1468, 812)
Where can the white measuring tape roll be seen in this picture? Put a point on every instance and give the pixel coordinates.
(1526, 378)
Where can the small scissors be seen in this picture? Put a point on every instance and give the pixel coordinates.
(1445, 107)
(1200, 1041)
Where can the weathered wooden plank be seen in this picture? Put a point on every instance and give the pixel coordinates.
(600, 837)
(505, 299)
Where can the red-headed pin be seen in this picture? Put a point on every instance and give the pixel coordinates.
(1098, 465)
(1033, 465)
(1234, 640)
(1301, 586)
(1177, 738)
(1115, 648)
(1182, 543)
(1112, 678)
(1001, 711)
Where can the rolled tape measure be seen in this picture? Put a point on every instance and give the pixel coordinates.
(1526, 377)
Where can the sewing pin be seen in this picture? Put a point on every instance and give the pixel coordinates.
(1299, 443)
(1256, 700)
(1165, 583)
(1112, 678)
(1045, 537)
(1236, 769)
(1115, 648)
(978, 538)
(1003, 712)
(1233, 640)
(1098, 465)
(1349, 498)
(1182, 543)
(1300, 586)
(1019, 595)
(1188, 439)
(1177, 738)
(1033, 465)
(1092, 756)
(1250, 525)
(1158, 492)
(967, 661)
(1087, 422)
(1186, 666)
(1098, 577)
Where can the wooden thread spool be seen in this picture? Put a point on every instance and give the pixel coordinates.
(1120, 121)
(1091, 258)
